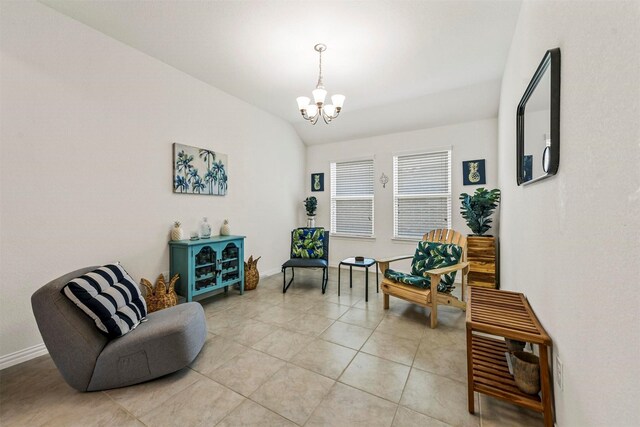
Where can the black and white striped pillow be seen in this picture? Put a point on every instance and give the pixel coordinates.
(110, 297)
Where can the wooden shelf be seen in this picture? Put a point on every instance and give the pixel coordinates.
(504, 314)
(491, 373)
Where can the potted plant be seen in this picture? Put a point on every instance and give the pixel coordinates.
(481, 249)
(477, 209)
(311, 204)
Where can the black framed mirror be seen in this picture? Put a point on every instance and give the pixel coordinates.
(538, 123)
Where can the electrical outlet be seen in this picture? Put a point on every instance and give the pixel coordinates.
(558, 372)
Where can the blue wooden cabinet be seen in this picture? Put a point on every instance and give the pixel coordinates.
(207, 265)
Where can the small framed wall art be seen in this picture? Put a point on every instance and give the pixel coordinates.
(473, 172)
(199, 171)
(317, 182)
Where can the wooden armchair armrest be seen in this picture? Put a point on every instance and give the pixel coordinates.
(383, 264)
(450, 269)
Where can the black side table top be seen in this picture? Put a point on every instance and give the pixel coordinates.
(368, 262)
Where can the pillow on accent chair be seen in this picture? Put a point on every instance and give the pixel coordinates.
(110, 297)
(308, 243)
(429, 256)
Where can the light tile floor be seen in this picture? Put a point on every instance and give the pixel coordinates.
(301, 358)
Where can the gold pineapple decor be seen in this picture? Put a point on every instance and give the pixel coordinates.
(162, 295)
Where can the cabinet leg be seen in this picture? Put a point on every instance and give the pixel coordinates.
(470, 396)
(545, 386)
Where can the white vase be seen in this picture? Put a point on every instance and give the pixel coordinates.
(311, 221)
(225, 230)
(177, 233)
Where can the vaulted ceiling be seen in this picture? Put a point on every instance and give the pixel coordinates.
(402, 65)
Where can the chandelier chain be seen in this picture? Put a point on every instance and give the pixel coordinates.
(320, 82)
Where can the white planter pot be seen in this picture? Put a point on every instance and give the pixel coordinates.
(311, 221)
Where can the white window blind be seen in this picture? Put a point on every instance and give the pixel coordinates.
(421, 193)
(352, 198)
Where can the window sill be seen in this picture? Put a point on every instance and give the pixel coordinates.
(411, 240)
(351, 236)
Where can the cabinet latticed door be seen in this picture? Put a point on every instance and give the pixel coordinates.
(230, 264)
(206, 270)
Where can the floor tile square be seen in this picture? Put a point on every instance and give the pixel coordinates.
(203, 403)
(325, 358)
(217, 351)
(60, 405)
(300, 301)
(248, 331)
(351, 336)
(438, 397)
(497, 413)
(346, 298)
(247, 371)
(250, 414)
(407, 418)
(249, 308)
(347, 406)
(283, 343)
(445, 355)
(402, 327)
(377, 376)
(140, 399)
(221, 320)
(293, 392)
(309, 324)
(218, 303)
(278, 315)
(365, 318)
(391, 347)
(328, 309)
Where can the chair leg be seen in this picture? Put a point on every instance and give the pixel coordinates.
(284, 279)
(434, 279)
(325, 279)
(386, 301)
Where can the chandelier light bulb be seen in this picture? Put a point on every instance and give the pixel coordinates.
(319, 96)
(312, 112)
(329, 109)
(338, 100)
(303, 102)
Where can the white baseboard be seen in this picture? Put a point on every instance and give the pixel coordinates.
(22, 355)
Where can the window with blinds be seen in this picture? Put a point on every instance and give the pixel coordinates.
(352, 198)
(421, 193)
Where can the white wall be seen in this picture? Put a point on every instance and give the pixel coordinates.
(87, 128)
(469, 141)
(571, 243)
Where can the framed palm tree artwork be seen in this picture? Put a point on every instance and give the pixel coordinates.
(199, 171)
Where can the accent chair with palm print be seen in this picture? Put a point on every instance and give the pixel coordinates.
(309, 249)
(437, 259)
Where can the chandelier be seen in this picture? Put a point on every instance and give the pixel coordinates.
(312, 112)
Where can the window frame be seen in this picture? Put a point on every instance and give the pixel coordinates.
(333, 197)
(421, 196)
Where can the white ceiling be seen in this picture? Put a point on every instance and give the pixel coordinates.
(401, 64)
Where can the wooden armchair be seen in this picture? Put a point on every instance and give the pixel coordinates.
(429, 297)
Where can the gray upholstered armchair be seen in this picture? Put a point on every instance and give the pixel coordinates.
(169, 340)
